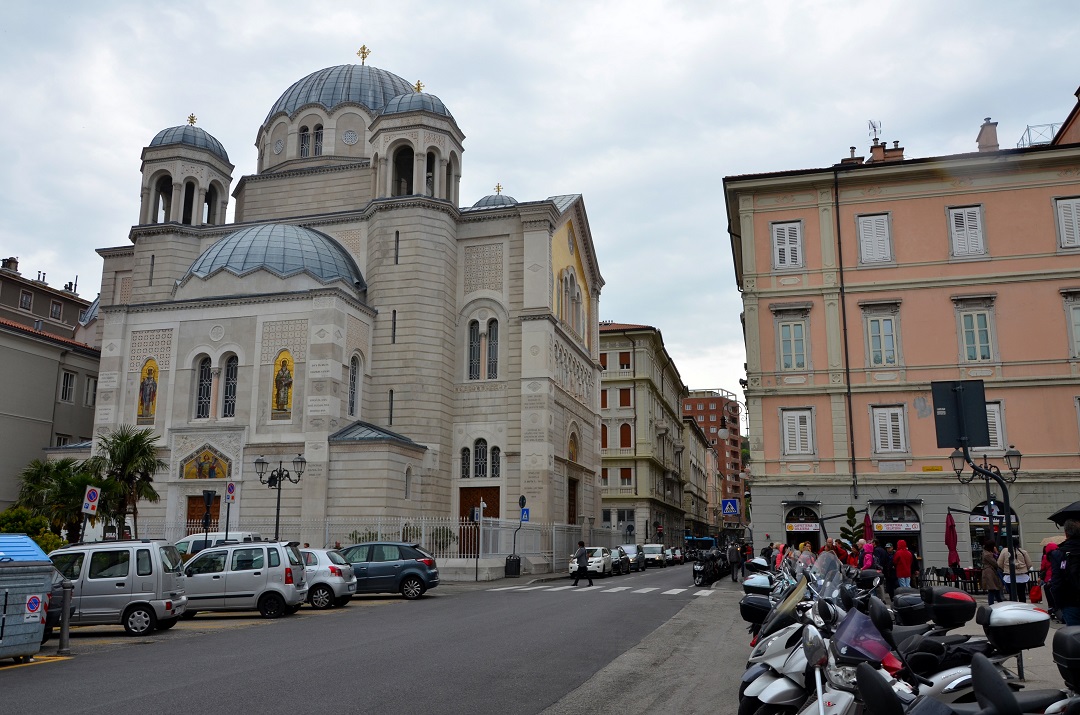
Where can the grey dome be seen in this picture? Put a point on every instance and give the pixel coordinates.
(495, 200)
(192, 136)
(282, 249)
(363, 84)
(415, 102)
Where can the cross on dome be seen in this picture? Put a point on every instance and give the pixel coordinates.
(419, 86)
(363, 53)
(191, 119)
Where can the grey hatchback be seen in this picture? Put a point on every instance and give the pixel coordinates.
(392, 567)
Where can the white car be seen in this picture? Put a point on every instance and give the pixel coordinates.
(330, 578)
(599, 561)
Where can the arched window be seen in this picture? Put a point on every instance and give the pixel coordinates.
(466, 462)
(162, 200)
(228, 404)
(480, 458)
(603, 436)
(626, 436)
(474, 350)
(354, 383)
(305, 142)
(492, 349)
(571, 448)
(495, 470)
(408, 482)
(318, 140)
(402, 178)
(202, 397)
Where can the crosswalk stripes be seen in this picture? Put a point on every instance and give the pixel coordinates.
(673, 591)
(561, 588)
(615, 589)
(646, 590)
(703, 593)
(507, 588)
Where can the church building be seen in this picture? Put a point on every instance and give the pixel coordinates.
(420, 355)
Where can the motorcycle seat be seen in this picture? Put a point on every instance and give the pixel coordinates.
(902, 633)
(1030, 701)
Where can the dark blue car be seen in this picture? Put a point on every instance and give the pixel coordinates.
(392, 567)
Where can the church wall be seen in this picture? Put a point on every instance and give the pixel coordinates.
(172, 253)
(304, 193)
(369, 479)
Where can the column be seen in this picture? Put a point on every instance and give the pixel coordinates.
(215, 388)
(384, 178)
(419, 173)
(144, 206)
(197, 209)
(440, 181)
(177, 207)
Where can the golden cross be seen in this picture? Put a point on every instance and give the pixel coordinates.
(419, 86)
(191, 119)
(363, 53)
(498, 188)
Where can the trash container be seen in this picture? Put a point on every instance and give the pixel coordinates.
(513, 566)
(25, 584)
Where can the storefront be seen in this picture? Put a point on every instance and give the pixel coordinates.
(986, 521)
(802, 523)
(897, 519)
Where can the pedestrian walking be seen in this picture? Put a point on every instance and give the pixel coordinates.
(734, 558)
(991, 583)
(582, 557)
(902, 561)
(1022, 564)
(1064, 585)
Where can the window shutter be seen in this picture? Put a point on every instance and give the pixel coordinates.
(889, 429)
(993, 421)
(797, 432)
(786, 245)
(967, 231)
(874, 238)
(1069, 218)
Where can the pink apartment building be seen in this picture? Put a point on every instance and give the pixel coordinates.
(865, 281)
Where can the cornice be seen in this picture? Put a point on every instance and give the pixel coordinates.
(376, 128)
(350, 165)
(251, 299)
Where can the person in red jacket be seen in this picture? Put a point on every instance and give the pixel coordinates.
(902, 561)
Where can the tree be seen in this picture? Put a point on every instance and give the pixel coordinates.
(852, 530)
(127, 461)
(20, 520)
(55, 490)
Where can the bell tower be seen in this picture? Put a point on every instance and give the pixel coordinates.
(186, 177)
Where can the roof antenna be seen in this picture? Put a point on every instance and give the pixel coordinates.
(875, 130)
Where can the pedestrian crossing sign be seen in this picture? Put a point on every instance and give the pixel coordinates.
(730, 507)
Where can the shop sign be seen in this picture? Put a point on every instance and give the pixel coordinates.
(897, 526)
(802, 526)
(998, 519)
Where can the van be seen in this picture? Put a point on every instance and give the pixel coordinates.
(137, 584)
(194, 543)
(268, 576)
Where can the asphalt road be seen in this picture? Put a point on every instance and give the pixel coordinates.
(623, 646)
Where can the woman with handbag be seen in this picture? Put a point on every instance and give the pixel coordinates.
(990, 581)
(1022, 565)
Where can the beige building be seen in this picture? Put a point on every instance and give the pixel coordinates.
(641, 435)
(865, 281)
(421, 355)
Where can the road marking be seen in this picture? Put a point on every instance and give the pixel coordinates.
(585, 588)
(646, 590)
(504, 588)
(617, 589)
(531, 588)
(704, 593)
(37, 659)
(561, 588)
(673, 591)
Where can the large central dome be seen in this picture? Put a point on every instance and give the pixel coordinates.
(363, 84)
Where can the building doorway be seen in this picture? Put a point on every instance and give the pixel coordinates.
(469, 511)
(571, 501)
(894, 521)
(801, 524)
(196, 508)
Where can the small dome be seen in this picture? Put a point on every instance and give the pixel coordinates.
(282, 249)
(363, 84)
(192, 136)
(495, 200)
(416, 102)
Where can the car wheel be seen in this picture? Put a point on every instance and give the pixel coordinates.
(343, 601)
(166, 623)
(139, 620)
(272, 605)
(412, 588)
(321, 597)
(188, 614)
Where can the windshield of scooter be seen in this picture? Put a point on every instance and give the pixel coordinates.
(783, 614)
(857, 641)
(826, 575)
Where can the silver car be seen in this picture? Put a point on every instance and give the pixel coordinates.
(330, 578)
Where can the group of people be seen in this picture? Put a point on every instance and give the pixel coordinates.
(898, 565)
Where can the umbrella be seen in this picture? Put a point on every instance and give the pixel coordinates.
(1068, 512)
(867, 526)
(950, 539)
(1052, 540)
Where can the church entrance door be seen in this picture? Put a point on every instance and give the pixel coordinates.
(468, 510)
(196, 507)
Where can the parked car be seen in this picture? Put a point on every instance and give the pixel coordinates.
(329, 577)
(654, 555)
(267, 576)
(137, 584)
(599, 561)
(392, 567)
(677, 555)
(620, 561)
(194, 543)
(637, 556)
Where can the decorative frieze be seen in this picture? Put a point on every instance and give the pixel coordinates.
(484, 267)
(356, 337)
(278, 335)
(145, 344)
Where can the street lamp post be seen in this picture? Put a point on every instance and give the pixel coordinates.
(275, 478)
(959, 459)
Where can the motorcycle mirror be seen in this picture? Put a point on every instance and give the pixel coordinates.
(846, 599)
(824, 609)
(875, 689)
(817, 655)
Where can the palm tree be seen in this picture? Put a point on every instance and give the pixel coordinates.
(55, 490)
(128, 459)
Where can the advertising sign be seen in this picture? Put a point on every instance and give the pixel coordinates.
(802, 526)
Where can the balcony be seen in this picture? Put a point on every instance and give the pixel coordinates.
(619, 491)
(617, 452)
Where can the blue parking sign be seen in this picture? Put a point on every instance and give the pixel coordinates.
(524, 514)
(730, 507)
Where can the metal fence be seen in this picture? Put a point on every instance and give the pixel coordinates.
(444, 537)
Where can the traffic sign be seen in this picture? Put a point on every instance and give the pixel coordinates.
(730, 507)
(524, 514)
(90, 501)
(230, 491)
(33, 609)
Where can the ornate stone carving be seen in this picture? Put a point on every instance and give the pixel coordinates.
(125, 290)
(155, 344)
(291, 335)
(438, 140)
(484, 267)
(351, 240)
(323, 301)
(217, 333)
(356, 337)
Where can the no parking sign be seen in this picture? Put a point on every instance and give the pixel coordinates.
(90, 501)
(230, 492)
(35, 610)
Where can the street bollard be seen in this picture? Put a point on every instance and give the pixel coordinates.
(65, 618)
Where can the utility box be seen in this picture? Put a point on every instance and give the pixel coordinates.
(25, 585)
(513, 566)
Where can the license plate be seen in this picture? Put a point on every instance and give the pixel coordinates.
(352, 587)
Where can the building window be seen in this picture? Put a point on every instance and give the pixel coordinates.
(966, 231)
(626, 477)
(480, 458)
(393, 327)
(67, 387)
(995, 421)
(603, 361)
(90, 395)
(712, 418)
(318, 139)
(712, 405)
(202, 396)
(798, 430)
(56, 310)
(603, 436)
(1068, 215)
(624, 397)
(305, 142)
(492, 349)
(397, 246)
(62, 440)
(408, 482)
(603, 399)
(626, 436)
(624, 361)
(793, 345)
(603, 478)
(474, 350)
(495, 469)
(875, 241)
(228, 403)
(82, 314)
(975, 336)
(787, 245)
(26, 300)
(881, 323)
(890, 432)
(354, 383)
(466, 461)
(390, 407)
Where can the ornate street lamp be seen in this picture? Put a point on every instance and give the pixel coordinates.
(275, 479)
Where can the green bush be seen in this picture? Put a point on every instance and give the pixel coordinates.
(20, 520)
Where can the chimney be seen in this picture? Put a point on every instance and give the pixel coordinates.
(852, 159)
(896, 153)
(877, 152)
(38, 325)
(987, 138)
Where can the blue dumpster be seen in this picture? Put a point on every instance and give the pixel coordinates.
(25, 584)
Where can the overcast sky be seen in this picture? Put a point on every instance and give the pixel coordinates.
(641, 107)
